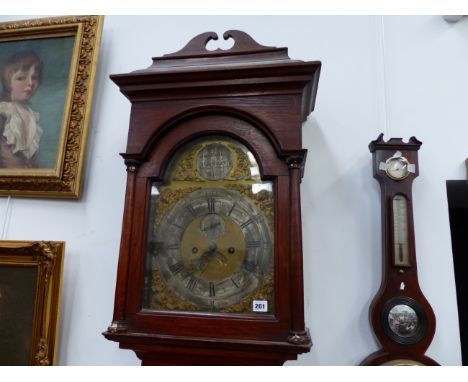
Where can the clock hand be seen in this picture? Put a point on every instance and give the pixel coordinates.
(221, 257)
(201, 263)
(213, 254)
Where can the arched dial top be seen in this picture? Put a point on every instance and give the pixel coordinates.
(210, 236)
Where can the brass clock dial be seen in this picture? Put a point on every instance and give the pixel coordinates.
(210, 244)
(215, 248)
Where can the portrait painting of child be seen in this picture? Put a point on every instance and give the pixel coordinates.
(48, 69)
(19, 124)
(34, 83)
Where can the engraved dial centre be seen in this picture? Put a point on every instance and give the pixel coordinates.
(214, 236)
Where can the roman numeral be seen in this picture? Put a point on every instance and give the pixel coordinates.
(192, 283)
(177, 267)
(253, 244)
(211, 205)
(212, 290)
(161, 246)
(245, 224)
(234, 282)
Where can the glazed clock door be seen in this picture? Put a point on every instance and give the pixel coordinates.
(210, 244)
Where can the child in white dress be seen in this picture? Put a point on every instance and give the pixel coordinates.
(20, 132)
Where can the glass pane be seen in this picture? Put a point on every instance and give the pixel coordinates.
(400, 231)
(403, 320)
(210, 234)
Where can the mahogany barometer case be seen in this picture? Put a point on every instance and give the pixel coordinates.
(401, 316)
(210, 267)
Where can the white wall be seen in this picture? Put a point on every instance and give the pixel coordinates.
(403, 76)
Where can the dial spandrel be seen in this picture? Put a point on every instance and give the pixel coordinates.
(212, 250)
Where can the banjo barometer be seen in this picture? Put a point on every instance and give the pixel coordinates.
(210, 267)
(401, 316)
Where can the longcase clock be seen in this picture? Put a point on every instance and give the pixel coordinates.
(210, 268)
(401, 316)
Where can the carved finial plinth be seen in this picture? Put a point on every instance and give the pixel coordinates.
(243, 44)
(244, 49)
(394, 144)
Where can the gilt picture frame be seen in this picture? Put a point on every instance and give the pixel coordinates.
(30, 284)
(47, 68)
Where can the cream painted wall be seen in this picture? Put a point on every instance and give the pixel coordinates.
(403, 76)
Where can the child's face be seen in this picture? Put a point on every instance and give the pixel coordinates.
(23, 84)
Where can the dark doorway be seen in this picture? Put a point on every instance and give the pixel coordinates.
(457, 193)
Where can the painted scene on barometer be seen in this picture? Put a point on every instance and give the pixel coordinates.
(403, 320)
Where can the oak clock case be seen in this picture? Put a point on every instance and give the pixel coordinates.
(210, 266)
(401, 316)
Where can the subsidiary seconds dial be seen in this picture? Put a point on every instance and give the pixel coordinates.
(214, 248)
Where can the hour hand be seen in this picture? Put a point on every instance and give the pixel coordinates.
(202, 261)
(220, 257)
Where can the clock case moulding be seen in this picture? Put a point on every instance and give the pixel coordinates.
(250, 93)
